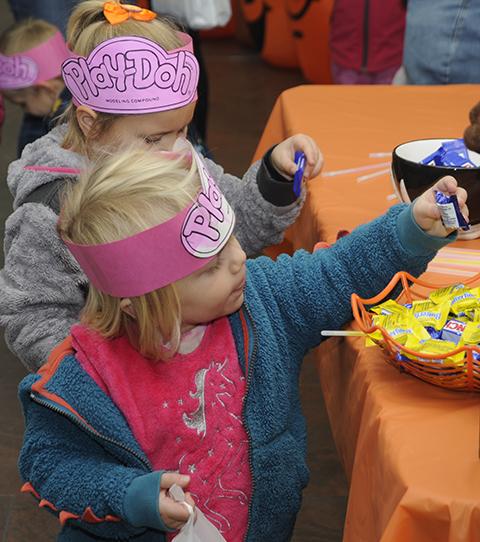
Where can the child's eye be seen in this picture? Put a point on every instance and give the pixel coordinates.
(152, 140)
(216, 266)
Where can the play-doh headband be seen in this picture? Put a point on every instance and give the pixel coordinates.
(165, 253)
(31, 67)
(131, 75)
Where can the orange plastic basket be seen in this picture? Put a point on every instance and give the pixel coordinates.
(428, 367)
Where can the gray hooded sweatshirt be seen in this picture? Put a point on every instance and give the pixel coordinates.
(43, 289)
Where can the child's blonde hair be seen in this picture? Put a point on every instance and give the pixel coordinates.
(122, 195)
(25, 35)
(87, 28)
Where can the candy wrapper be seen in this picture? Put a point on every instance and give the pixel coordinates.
(300, 160)
(434, 346)
(430, 315)
(453, 331)
(451, 154)
(452, 217)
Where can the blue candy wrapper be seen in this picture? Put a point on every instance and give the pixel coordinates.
(434, 333)
(452, 217)
(298, 177)
(451, 154)
(453, 330)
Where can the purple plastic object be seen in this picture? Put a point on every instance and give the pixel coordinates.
(452, 217)
(450, 154)
(298, 177)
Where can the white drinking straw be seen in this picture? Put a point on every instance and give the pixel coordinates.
(340, 333)
(372, 175)
(379, 154)
(354, 169)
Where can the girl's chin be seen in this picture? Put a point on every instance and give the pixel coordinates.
(237, 301)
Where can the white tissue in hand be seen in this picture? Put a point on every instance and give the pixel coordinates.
(197, 528)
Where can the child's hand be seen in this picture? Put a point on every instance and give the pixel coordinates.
(174, 514)
(425, 210)
(283, 155)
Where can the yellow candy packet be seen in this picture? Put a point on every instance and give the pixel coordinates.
(372, 339)
(471, 334)
(434, 346)
(472, 315)
(399, 327)
(444, 294)
(431, 315)
(389, 307)
(465, 300)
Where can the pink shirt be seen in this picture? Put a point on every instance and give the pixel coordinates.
(186, 415)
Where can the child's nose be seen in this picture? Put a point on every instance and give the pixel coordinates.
(180, 144)
(238, 258)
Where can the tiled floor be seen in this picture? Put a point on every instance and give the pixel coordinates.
(243, 91)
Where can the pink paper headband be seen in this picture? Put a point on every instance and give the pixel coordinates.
(133, 75)
(165, 253)
(35, 65)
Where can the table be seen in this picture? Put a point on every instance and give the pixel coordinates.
(410, 450)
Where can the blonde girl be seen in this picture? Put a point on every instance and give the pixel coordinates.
(185, 366)
(48, 285)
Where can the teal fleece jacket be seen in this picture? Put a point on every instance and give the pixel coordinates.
(82, 462)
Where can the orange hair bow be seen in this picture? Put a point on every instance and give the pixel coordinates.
(116, 13)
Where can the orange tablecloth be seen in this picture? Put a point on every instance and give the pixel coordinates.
(410, 450)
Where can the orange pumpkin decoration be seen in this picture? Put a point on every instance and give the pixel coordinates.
(254, 13)
(310, 26)
(278, 45)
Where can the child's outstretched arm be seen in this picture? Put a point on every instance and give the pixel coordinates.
(311, 292)
(263, 200)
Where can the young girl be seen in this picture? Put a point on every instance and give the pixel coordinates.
(188, 356)
(133, 79)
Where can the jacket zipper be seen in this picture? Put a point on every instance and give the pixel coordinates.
(247, 430)
(366, 30)
(87, 429)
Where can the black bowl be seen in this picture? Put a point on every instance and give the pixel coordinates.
(411, 178)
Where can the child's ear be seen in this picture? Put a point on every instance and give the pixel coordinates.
(86, 118)
(127, 308)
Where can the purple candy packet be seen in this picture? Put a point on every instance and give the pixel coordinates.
(452, 217)
(451, 154)
(454, 145)
(298, 177)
